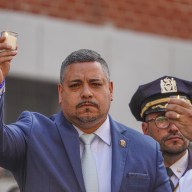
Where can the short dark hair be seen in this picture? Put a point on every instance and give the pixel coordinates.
(81, 56)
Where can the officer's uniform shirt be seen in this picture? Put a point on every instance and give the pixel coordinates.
(179, 168)
(185, 183)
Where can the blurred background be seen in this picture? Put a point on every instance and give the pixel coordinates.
(141, 40)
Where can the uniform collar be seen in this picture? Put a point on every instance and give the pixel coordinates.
(180, 166)
(103, 132)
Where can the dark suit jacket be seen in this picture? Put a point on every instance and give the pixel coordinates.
(44, 156)
(189, 166)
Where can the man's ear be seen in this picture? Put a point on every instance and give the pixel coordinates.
(111, 90)
(145, 128)
(60, 89)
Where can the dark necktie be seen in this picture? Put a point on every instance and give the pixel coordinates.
(170, 173)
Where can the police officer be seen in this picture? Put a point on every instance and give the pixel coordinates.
(164, 107)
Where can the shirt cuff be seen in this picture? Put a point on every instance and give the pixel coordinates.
(2, 88)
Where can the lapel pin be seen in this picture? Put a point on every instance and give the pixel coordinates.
(122, 143)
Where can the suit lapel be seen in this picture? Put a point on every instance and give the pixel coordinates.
(119, 155)
(70, 139)
(120, 148)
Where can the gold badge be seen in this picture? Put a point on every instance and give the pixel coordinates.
(168, 85)
(122, 143)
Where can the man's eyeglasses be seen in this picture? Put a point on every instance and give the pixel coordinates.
(161, 122)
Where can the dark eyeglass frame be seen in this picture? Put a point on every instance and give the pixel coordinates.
(161, 121)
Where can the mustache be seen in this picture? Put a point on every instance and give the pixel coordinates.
(87, 102)
(167, 137)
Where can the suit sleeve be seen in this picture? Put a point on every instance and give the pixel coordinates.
(12, 141)
(162, 181)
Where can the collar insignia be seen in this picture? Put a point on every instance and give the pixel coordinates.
(122, 143)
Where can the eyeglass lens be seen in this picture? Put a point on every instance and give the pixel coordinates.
(162, 122)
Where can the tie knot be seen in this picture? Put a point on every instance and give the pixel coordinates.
(87, 138)
(169, 171)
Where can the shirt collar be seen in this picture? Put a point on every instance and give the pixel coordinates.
(180, 166)
(103, 132)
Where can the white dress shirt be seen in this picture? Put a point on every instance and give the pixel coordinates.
(102, 151)
(179, 168)
(185, 183)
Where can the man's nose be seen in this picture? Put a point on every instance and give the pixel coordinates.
(172, 128)
(86, 91)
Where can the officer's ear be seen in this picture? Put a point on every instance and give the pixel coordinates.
(145, 128)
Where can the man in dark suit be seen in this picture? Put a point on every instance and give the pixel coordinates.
(45, 154)
(163, 105)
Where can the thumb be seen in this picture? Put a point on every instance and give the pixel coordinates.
(1, 76)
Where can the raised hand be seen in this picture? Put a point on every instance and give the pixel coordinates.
(180, 113)
(6, 56)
